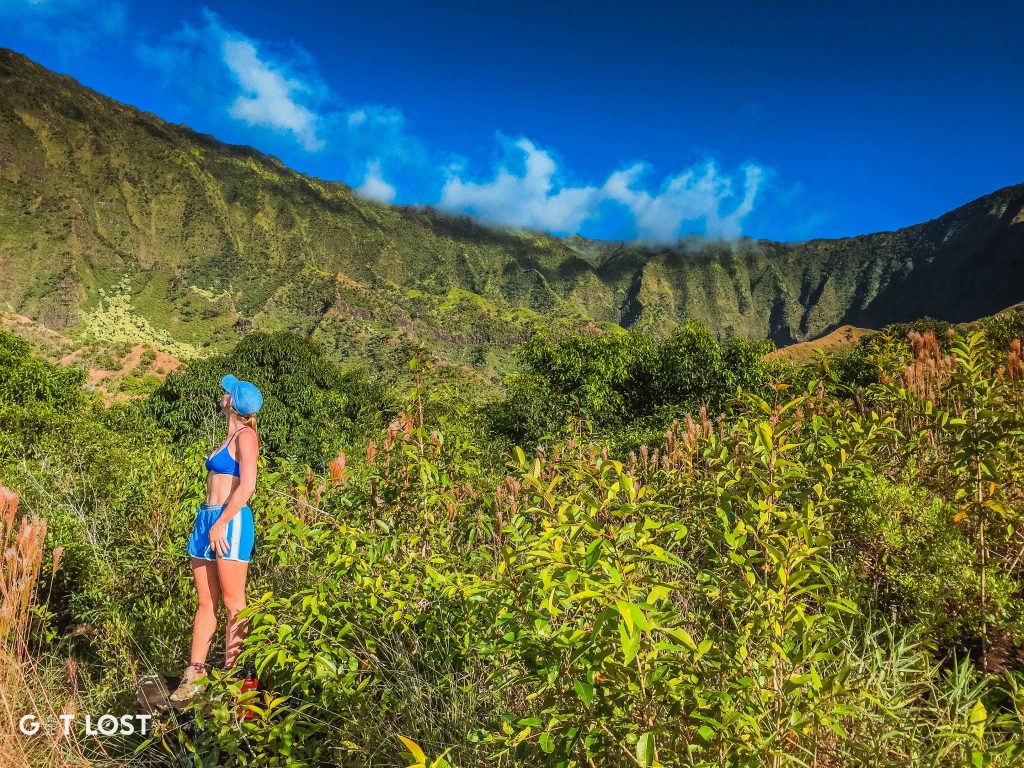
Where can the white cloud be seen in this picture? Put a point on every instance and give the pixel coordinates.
(690, 196)
(374, 187)
(375, 116)
(534, 199)
(266, 86)
(268, 95)
(258, 86)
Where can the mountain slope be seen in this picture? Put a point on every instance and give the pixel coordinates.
(112, 218)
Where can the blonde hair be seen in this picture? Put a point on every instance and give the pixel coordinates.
(248, 419)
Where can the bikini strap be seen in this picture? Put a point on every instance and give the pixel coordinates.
(236, 434)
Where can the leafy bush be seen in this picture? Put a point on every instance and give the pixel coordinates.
(311, 407)
(26, 379)
(622, 379)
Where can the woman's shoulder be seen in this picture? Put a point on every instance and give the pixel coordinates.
(248, 435)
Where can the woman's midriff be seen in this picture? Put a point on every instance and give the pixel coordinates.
(219, 487)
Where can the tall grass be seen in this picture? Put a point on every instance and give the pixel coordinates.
(28, 683)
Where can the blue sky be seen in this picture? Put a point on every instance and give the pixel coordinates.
(613, 120)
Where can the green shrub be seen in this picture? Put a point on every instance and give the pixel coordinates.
(26, 379)
(621, 379)
(311, 407)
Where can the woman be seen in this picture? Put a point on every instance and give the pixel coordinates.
(222, 538)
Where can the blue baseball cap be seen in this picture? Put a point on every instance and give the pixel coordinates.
(246, 399)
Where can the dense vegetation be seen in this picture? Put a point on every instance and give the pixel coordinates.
(645, 552)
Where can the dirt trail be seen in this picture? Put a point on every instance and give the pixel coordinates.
(55, 346)
(160, 366)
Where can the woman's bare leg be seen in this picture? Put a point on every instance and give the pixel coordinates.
(208, 589)
(231, 576)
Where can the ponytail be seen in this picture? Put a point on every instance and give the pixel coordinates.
(249, 420)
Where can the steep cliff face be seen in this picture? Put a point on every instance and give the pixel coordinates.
(215, 239)
(963, 265)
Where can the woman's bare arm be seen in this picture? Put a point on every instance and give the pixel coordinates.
(247, 447)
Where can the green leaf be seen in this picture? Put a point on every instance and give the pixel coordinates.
(645, 749)
(978, 717)
(436, 575)
(703, 648)
(638, 617)
(683, 636)
(547, 742)
(626, 613)
(630, 644)
(657, 593)
(585, 691)
(583, 595)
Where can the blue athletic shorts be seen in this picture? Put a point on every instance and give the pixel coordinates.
(240, 534)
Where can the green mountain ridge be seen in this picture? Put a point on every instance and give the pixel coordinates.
(113, 220)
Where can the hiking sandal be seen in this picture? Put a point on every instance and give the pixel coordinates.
(193, 683)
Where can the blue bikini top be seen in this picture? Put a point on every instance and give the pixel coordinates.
(223, 462)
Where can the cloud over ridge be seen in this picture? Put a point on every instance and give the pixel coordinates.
(539, 198)
(534, 199)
